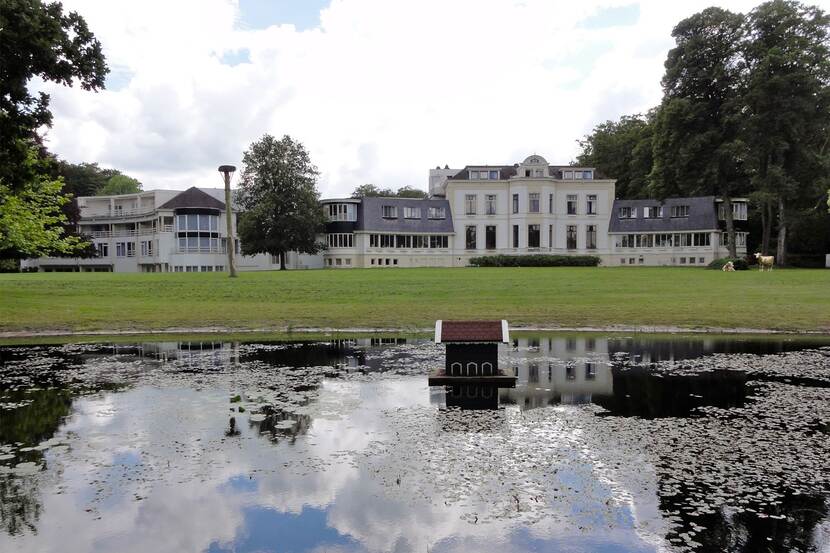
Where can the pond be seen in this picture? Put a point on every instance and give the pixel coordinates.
(606, 443)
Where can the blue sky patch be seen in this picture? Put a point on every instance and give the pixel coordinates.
(261, 14)
(235, 57)
(618, 16)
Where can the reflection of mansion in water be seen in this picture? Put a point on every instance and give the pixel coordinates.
(559, 370)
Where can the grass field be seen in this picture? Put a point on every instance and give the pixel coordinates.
(788, 300)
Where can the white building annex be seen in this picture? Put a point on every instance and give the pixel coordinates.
(160, 231)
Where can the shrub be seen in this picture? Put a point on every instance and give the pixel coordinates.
(739, 263)
(535, 261)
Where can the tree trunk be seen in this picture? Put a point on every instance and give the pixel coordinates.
(766, 224)
(282, 261)
(781, 254)
(730, 225)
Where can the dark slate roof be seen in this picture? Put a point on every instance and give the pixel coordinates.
(193, 197)
(505, 171)
(509, 171)
(702, 216)
(471, 331)
(369, 216)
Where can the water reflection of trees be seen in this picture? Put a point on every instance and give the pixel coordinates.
(794, 529)
(35, 420)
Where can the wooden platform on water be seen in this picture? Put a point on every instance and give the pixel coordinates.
(500, 380)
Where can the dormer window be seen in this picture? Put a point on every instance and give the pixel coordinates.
(652, 212)
(627, 212)
(389, 212)
(412, 213)
(437, 213)
(484, 174)
(568, 175)
(679, 211)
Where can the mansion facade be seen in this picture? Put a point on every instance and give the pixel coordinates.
(526, 208)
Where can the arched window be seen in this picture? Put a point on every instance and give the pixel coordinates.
(472, 369)
(486, 369)
(455, 369)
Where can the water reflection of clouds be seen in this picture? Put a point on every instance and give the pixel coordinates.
(218, 498)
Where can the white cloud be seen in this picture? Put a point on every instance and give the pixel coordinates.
(379, 93)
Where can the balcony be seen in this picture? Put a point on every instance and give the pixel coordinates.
(128, 232)
(116, 213)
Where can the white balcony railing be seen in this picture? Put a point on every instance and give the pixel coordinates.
(109, 213)
(128, 232)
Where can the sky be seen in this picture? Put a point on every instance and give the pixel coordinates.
(379, 91)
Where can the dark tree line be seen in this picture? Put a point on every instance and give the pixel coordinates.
(745, 112)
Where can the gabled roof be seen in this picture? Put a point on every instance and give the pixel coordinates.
(193, 197)
(702, 216)
(471, 331)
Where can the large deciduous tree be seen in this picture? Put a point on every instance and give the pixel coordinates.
(622, 149)
(38, 40)
(788, 110)
(279, 199)
(697, 140)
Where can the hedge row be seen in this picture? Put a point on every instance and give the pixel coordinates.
(739, 263)
(535, 261)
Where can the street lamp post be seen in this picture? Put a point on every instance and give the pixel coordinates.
(227, 172)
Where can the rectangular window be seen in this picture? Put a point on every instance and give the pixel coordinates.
(588, 175)
(470, 204)
(652, 212)
(471, 237)
(515, 236)
(568, 174)
(550, 236)
(682, 260)
(473, 175)
(121, 249)
(490, 204)
(571, 204)
(533, 201)
(490, 237)
(627, 213)
(591, 237)
(550, 203)
(591, 204)
(533, 236)
(679, 211)
(515, 203)
(103, 249)
(571, 237)
(494, 175)
(437, 213)
(412, 213)
(389, 212)
(130, 249)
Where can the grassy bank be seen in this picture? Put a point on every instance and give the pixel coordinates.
(413, 298)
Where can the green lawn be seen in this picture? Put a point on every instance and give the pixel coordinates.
(413, 298)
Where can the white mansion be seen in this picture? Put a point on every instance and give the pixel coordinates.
(526, 208)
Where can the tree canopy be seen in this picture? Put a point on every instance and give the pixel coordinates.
(279, 199)
(372, 191)
(119, 184)
(39, 40)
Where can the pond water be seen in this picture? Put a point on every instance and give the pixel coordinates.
(606, 443)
